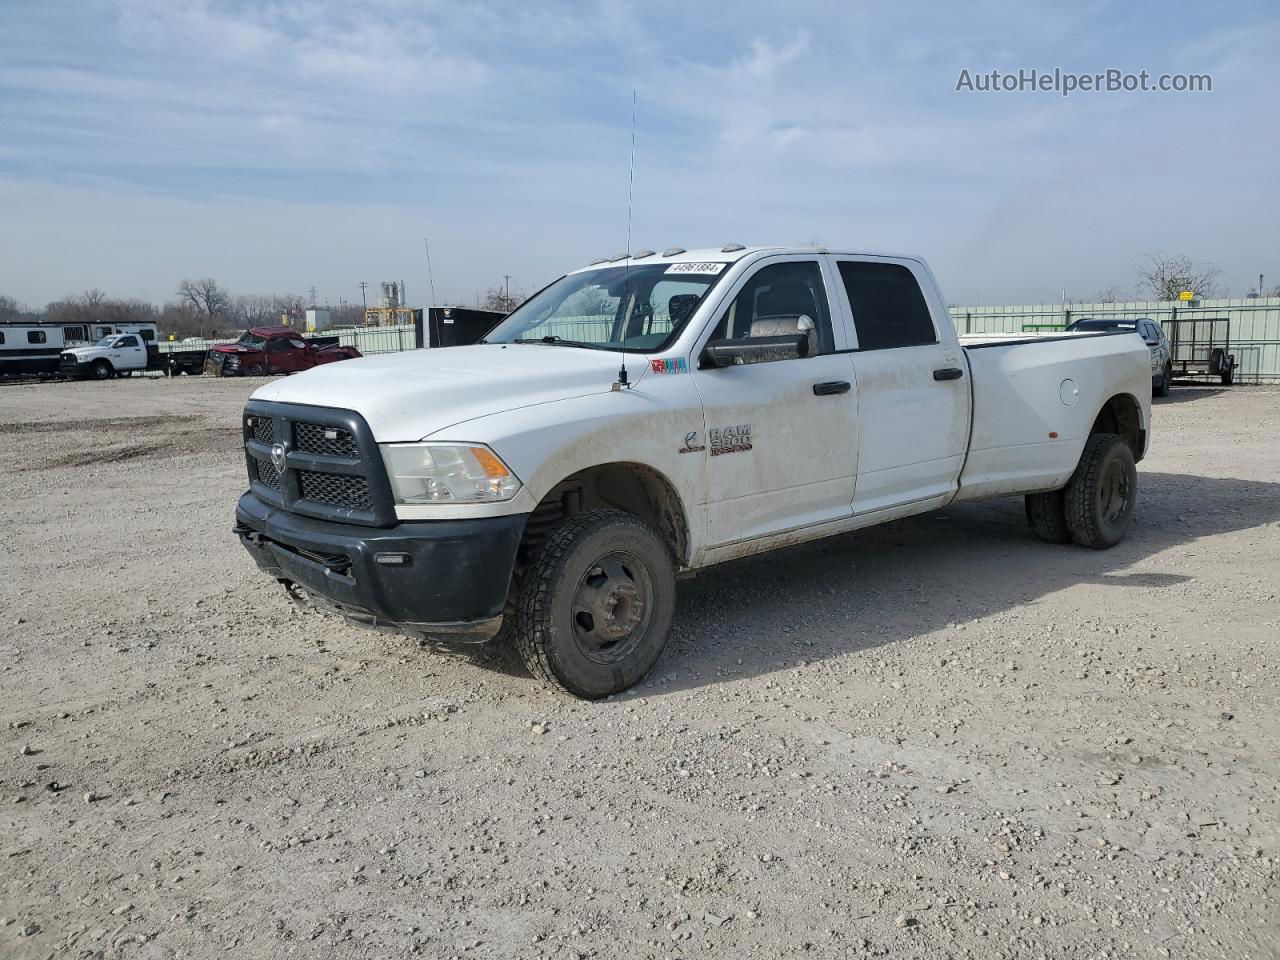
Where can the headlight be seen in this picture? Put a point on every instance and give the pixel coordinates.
(447, 473)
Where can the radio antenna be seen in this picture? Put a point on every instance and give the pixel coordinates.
(430, 274)
(626, 276)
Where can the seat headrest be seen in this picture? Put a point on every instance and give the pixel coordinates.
(786, 298)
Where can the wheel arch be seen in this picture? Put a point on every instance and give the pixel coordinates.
(1123, 414)
(625, 485)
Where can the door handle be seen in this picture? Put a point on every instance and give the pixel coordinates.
(948, 373)
(830, 387)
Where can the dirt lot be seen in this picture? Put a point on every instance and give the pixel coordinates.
(938, 738)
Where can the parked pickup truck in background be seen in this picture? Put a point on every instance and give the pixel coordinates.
(645, 418)
(1152, 335)
(116, 355)
(265, 350)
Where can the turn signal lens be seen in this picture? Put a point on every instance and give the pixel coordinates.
(447, 473)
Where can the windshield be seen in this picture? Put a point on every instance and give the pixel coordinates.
(106, 341)
(641, 308)
(249, 340)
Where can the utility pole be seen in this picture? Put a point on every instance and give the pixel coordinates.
(506, 297)
(313, 295)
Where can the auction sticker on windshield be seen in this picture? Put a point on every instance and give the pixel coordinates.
(711, 268)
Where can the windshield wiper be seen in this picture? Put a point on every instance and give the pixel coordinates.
(552, 338)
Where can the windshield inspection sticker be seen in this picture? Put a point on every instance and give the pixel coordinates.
(730, 439)
(669, 365)
(711, 268)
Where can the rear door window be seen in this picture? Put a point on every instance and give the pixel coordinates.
(889, 309)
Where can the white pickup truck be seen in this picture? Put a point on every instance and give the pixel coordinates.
(648, 416)
(115, 355)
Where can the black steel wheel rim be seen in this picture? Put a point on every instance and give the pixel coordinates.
(1114, 491)
(612, 607)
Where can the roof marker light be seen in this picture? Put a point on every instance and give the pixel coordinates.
(732, 248)
(672, 251)
(640, 255)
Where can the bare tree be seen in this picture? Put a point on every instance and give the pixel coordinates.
(346, 315)
(1108, 295)
(11, 309)
(253, 310)
(181, 319)
(291, 306)
(94, 306)
(498, 300)
(1166, 277)
(206, 297)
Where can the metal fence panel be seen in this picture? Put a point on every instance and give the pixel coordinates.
(1254, 327)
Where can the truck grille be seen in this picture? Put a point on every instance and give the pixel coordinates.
(264, 430)
(266, 473)
(330, 441)
(335, 489)
(332, 468)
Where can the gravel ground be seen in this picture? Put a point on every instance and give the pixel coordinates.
(937, 738)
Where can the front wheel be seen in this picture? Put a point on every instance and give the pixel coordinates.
(102, 370)
(256, 370)
(595, 606)
(1101, 494)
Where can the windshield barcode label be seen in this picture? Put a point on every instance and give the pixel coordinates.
(712, 268)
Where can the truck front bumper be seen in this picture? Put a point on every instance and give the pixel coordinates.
(70, 366)
(444, 579)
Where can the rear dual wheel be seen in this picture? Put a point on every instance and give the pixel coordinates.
(596, 604)
(1095, 508)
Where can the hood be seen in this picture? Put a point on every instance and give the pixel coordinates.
(84, 351)
(411, 395)
(232, 348)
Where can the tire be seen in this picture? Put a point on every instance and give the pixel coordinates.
(1216, 358)
(1228, 376)
(1101, 494)
(124, 373)
(1165, 381)
(256, 370)
(102, 370)
(1047, 516)
(568, 628)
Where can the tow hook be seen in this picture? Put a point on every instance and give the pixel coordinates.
(296, 594)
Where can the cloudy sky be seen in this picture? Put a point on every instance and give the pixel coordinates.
(282, 144)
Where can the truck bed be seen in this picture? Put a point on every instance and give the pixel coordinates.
(1035, 399)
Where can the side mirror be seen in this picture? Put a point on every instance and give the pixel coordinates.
(733, 353)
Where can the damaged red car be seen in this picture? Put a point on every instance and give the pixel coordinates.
(267, 350)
